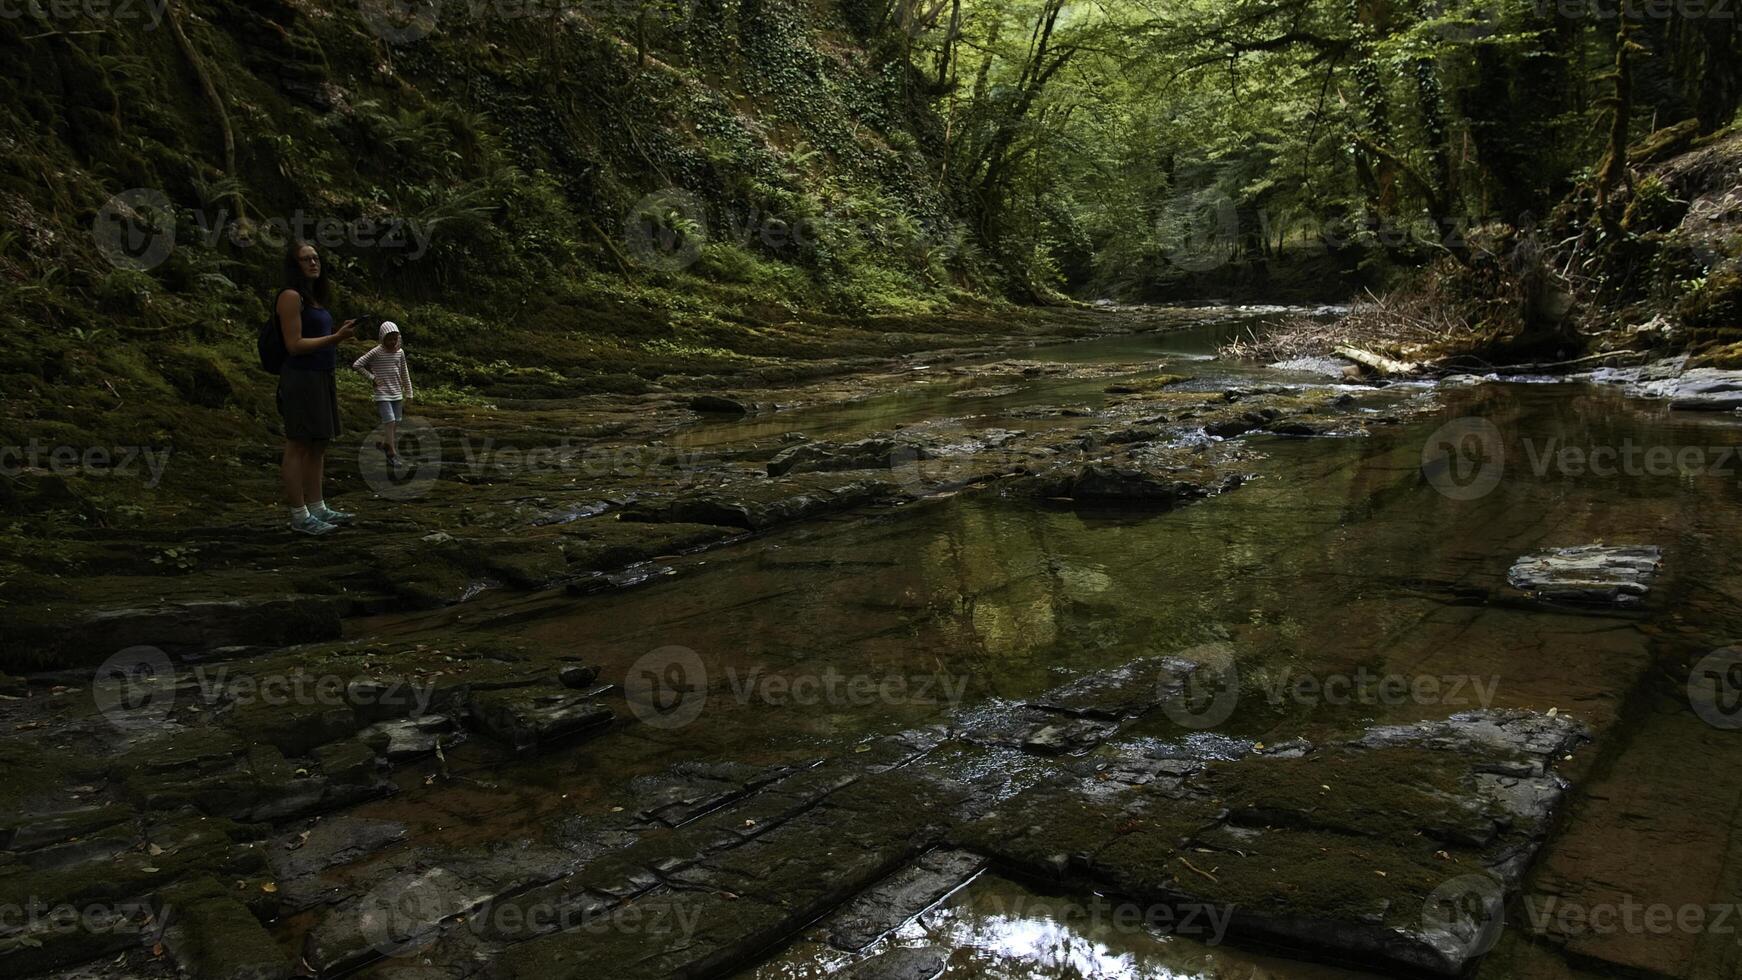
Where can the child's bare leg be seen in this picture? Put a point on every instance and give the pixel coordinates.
(393, 438)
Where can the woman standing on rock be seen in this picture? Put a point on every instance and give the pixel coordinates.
(308, 398)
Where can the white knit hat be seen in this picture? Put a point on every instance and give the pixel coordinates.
(387, 327)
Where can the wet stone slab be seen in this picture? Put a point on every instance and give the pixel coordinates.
(885, 906)
(527, 720)
(1341, 848)
(1594, 575)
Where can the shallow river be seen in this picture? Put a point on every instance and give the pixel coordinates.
(1344, 561)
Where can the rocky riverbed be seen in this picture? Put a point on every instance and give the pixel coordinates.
(785, 681)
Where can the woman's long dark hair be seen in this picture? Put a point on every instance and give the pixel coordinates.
(319, 289)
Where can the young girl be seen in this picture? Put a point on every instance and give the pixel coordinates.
(385, 367)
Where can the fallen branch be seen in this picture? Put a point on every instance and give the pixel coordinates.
(1199, 870)
(1545, 367)
(1378, 362)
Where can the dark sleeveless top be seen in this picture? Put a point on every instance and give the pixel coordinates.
(315, 323)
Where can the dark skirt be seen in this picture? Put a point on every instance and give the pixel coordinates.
(308, 401)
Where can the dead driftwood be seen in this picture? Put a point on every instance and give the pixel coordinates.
(1467, 364)
(1377, 362)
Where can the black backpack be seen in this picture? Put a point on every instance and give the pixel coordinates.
(270, 344)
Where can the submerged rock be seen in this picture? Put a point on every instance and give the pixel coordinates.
(829, 457)
(718, 405)
(1589, 574)
(1111, 481)
(1707, 390)
(903, 963)
(527, 720)
(211, 934)
(407, 738)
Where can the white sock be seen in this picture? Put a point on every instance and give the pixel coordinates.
(298, 513)
(318, 508)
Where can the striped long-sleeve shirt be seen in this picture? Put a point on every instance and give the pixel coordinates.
(387, 369)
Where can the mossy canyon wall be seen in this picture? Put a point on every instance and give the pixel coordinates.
(551, 195)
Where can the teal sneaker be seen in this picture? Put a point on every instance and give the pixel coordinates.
(311, 525)
(332, 516)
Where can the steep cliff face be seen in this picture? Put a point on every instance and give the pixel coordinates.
(551, 195)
